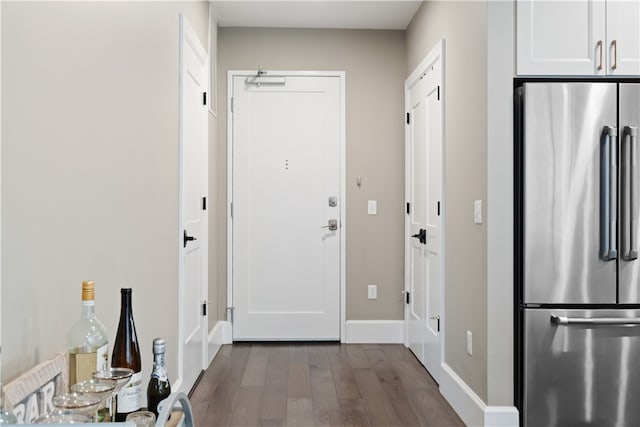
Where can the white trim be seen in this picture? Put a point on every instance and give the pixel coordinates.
(470, 407)
(374, 332)
(343, 223)
(219, 335)
(501, 416)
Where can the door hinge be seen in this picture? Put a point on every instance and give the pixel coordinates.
(408, 208)
(204, 98)
(408, 118)
(204, 203)
(408, 297)
(438, 207)
(438, 93)
(231, 210)
(232, 104)
(204, 308)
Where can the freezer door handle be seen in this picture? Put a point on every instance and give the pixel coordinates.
(563, 320)
(632, 208)
(608, 194)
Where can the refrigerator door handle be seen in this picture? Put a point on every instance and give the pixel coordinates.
(563, 320)
(632, 132)
(608, 195)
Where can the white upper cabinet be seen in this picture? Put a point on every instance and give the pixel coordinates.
(578, 37)
(623, 37)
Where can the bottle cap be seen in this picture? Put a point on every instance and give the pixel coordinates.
(159, 345)
(88, 290)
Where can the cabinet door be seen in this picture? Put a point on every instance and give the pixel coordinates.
(623, 37)
(561, 37)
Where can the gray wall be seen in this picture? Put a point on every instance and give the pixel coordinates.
(463, 25)
(89, 170)
(375, 65)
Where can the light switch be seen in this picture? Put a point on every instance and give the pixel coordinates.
(372, 207)
(477, 211)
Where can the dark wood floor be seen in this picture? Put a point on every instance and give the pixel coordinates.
(318, 385)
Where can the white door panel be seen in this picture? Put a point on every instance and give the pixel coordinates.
(193, 187)
(424, 241)
(623, 37)
(286, 165)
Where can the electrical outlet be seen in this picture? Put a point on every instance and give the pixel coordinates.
(469, 343)
(372, 292)
(477, 211)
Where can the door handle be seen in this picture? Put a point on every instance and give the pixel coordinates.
(614, 46)
(563, 320)
(186, 238)
(332, 225)
(608, 194)
(632, 207)
(436, 318)
(421, 236)
(599, 46)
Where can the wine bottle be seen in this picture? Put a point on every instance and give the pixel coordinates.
(126, 354)
(159, 387)
(87, 342)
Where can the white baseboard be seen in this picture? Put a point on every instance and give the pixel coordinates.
(374, 332)
(219, 335)
(469, 406)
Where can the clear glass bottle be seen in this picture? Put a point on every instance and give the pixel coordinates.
(126, 354)
(159, 387)
(87, 342)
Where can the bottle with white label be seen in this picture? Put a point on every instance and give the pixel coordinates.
(126, 354)
(87, 342)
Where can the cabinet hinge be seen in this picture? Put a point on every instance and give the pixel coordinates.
(204, 98)
(231, 211)
(232, 104)
(204, 308)
(204, 203)
(408, 208)
(408, 118)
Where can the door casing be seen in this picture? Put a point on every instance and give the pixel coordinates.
(252, 73)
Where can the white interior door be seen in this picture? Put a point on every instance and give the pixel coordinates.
(424, 243)
(193, 215)
(286, 190)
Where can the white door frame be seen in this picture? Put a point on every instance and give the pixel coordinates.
(436, 52)
(342, 76)
(188, 36)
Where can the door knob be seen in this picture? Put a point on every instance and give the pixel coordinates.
(332, 225)
(186, 238)
(421, 236)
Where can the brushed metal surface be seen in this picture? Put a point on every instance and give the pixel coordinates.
(563, 144)
(587, 375)
(629, 273)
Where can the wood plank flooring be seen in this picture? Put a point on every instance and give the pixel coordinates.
(323, 384)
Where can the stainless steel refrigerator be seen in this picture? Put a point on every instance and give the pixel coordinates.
(577, 243)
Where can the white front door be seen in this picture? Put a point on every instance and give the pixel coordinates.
(193, 215)
(424, 243)
(286, 145)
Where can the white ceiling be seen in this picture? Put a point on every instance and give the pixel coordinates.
(355, 14)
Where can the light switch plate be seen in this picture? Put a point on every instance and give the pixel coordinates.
(372, 292)
(477, 211)
(372, 207)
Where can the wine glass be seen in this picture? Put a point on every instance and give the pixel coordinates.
(63, 416)
(96, 388)
(119, 377)
(77, 403)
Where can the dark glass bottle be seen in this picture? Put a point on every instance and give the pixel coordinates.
(126, 354)
(159, 387)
